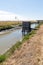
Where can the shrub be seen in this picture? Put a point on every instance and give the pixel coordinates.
(2, 58)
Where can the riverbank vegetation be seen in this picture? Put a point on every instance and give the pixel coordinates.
(8, 24)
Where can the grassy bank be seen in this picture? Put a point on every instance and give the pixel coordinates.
(8, 24)
(17, 46)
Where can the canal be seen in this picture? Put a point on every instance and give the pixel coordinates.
(7, 40)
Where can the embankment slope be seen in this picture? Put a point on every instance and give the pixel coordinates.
(30, 53)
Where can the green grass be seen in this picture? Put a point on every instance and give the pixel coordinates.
(2, 58)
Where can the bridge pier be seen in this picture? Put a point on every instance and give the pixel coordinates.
(26, 27)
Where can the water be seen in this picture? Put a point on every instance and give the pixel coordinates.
(9, 39)
(33, 25)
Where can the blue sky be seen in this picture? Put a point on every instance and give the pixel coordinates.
(32, 9)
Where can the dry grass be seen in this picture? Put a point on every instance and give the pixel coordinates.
(8, 24)
(5, 23)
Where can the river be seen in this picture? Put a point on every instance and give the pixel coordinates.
(7, 40)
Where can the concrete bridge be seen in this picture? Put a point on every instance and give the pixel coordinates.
(26, 26)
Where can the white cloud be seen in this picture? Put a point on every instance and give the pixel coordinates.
(4, 16)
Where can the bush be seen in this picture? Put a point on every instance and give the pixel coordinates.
(2, 58)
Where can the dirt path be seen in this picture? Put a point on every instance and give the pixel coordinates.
(31, 52)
